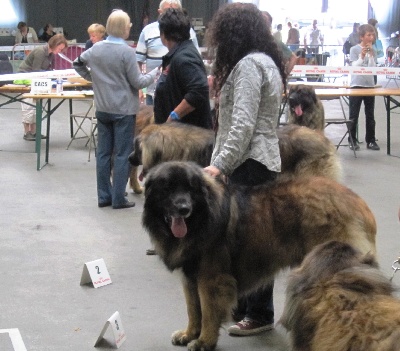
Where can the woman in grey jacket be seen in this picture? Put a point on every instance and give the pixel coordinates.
(249, 80)
(116, 79)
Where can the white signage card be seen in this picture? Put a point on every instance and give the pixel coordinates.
(16, 338)
(95, 272)
(117, 330)
(41, 86)
(63, 73)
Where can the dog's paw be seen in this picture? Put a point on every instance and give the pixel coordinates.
(180, 338)
(198, 345)
(137, 190)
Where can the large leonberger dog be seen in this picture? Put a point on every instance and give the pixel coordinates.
(158, 143)
(230, 240)
(304, 152)
(338, 300)
(305, 109)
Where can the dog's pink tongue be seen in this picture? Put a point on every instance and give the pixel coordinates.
(298, 111)
(178, 227)
(141, 176)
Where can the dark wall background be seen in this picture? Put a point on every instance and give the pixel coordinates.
(75, 16)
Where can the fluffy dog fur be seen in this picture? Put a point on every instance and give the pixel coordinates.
(339, 301)
(143, 119)
(305, 109)
(304, 152)
(229, 241)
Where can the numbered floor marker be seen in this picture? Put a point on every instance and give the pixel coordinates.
(16, 339)
(117, 330)
(95, 272)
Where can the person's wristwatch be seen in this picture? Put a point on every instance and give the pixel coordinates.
(174, 116)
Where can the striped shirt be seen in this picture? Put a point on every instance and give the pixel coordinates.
(150, 49)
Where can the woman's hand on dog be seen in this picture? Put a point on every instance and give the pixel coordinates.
(212, 171)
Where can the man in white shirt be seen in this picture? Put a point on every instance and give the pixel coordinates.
(313, 39)
(150, 49)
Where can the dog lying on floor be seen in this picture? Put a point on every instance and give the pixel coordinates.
(230, 240)
(305, 109)
(304, 152)
(338, 300)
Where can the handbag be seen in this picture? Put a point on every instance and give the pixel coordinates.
(378, 47)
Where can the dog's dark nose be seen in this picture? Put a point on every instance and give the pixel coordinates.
(183, 210)
(182, 205)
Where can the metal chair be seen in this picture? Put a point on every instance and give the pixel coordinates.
(79, 119)
(348, 124)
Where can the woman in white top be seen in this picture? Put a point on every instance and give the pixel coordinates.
(25, 34)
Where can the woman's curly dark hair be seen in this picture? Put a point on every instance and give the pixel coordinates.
(235, 31)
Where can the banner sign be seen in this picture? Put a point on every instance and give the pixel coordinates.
(63, 73)
(344, 70)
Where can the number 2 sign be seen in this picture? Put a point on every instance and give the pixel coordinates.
(95, 272)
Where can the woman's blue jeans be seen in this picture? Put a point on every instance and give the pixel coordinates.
(115, 143)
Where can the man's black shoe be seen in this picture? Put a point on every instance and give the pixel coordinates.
(373, 146)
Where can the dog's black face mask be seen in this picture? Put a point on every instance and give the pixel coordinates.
(175, 194)
(300, 99)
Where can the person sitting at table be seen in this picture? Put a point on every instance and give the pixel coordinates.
(40, 59)
(25, 34)
(97, 32)
(363, 55)
(47, 33)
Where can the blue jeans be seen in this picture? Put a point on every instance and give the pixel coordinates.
(115, 143)
(258, 306)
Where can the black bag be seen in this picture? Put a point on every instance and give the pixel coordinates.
(5, 67)
(346, 47)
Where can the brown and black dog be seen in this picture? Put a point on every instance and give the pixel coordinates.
(338, 300)
(305, 109)
(229, 240)
(304, 152)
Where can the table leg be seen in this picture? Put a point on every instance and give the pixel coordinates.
(387, 105)
(71, 124)
(48, 130)
(38, 141)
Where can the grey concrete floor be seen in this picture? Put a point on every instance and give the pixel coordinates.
(51, 226)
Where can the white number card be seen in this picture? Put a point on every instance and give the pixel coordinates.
(95, 272)
(41, 86)
(117, 330)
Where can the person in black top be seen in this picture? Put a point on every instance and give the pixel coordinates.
(47, 33)
(182, 92)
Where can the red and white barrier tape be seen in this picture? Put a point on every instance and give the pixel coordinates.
(344, 70)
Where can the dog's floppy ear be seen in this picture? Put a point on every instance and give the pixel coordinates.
(313, 95)
(148, 185)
